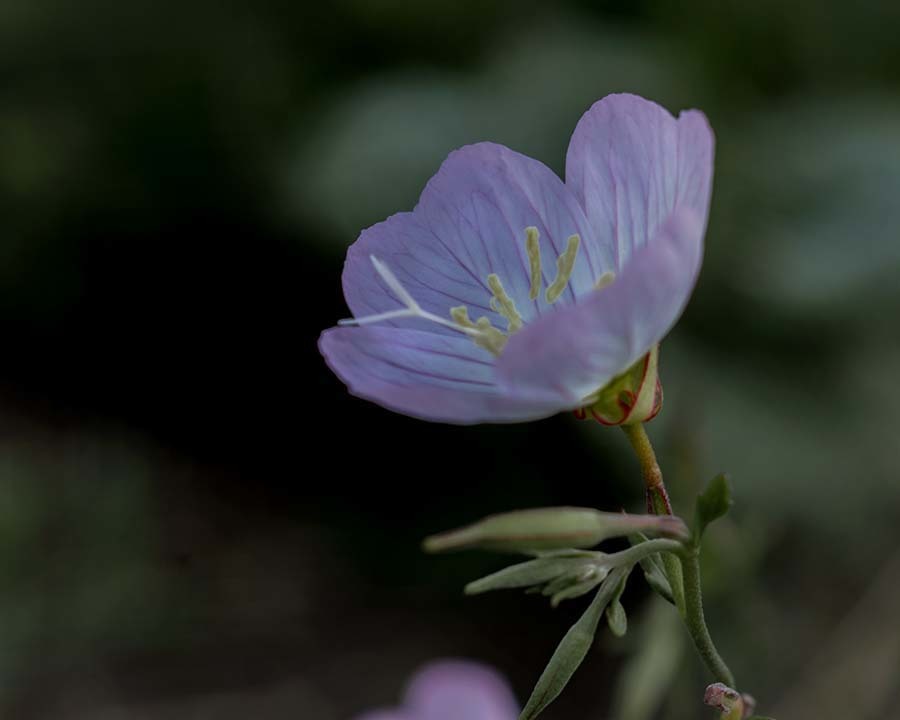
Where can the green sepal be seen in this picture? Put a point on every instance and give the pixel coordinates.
(634, 396)
(572, 650)
(531, 531)
(713, 503)
(615, 612)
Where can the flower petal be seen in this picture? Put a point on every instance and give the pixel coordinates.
(458, 690)
(470, 222)
(585, 346)
(394, 714)
(428, 375)
(631, 164)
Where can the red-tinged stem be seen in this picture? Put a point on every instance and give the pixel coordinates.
(657, 497)
(684, 576)
(657, 501)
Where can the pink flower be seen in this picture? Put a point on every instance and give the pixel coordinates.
(507, 295)
(453, 690)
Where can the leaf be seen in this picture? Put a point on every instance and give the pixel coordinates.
(526, 574)
(712, 504)
(615, 612)
(660, 585)
(578, 589)
(551, 529)
(654, 571)
(572, 650)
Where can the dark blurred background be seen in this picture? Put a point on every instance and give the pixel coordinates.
(197, 521)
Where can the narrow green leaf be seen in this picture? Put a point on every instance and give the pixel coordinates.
(615, 611)
(572, 650)
(712, 504)
(654, 570)
(658, 582)
(526, 574)
(552, 529)
(579, 588)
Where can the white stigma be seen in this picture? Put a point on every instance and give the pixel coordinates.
(482, 332)
(411, 309)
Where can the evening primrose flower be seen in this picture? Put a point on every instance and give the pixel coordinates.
(507, 295)
(453, 690)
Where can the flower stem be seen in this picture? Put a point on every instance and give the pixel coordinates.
(684, 576)
(657, 501)
(696, 623)
(657, 497)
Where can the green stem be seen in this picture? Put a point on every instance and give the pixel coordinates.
(638, 552)
(684, 576)
(696, 623)
(653, 478)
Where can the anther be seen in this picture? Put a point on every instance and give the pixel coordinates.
(504, 304)
(489, 337)
(485, 335)
(533, 247)
(605, 280)
(460, 315)
(564, 265)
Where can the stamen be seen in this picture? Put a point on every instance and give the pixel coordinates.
(490, 338)
(533, 247)
(504, 304)
(605, 280)
(460, 315)
(564, 265)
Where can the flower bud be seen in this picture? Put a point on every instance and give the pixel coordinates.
(556, 528)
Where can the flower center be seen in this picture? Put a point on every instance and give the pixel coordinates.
(482, 331)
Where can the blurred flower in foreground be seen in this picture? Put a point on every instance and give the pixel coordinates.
(626, 236)
(453, 690)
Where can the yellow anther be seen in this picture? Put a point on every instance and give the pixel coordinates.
(503, 304)
(460, 315)
(491, 338)
(488, 337)
(605, 280)
(533, 247)
(564, 265)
